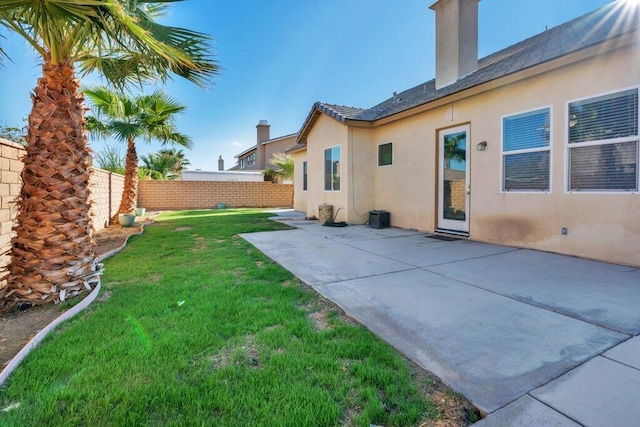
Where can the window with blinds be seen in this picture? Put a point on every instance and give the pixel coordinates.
(603, 143)
(526, 156)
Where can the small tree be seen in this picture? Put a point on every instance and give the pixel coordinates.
(165, 165)
(282, 165)
(13, 133)
(127, 119)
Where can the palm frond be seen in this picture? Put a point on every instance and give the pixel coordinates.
(122, 40)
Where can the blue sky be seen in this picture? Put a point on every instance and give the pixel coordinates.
(281, 56)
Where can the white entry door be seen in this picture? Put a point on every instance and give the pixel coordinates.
(453, 180)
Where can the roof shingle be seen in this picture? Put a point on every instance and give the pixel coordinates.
(608, 22)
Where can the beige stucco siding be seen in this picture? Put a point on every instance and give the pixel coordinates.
(326, 133)
(600, 226)
(276, 147)
(362, 155)
(603, 226)
(299, 195)
(407, 188)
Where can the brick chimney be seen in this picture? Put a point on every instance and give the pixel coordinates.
(456, 40)
(263, 135)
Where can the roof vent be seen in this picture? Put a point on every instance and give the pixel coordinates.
(263, 123)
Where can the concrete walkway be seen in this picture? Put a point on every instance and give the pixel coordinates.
(531, 338)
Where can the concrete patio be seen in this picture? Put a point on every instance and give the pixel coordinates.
(531, 338)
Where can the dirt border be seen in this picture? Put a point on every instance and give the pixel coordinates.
(15, 361)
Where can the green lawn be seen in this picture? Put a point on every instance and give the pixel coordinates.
(194, 326)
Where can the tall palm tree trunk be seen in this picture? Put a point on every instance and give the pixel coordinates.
(53, 252)
(130, 190)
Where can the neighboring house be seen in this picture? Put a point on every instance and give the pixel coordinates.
(534, 146)
(258, 156)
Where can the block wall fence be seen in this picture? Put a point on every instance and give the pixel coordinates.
(106, 191)
(179, 195)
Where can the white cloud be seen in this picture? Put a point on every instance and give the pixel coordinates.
(237, 144)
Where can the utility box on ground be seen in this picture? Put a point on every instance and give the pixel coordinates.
(379, 219)
(325, 213)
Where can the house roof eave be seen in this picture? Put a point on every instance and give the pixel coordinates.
(519, 75)
(247, 151)
(296, 148)
(343, 114)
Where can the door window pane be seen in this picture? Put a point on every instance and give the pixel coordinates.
(455, 177)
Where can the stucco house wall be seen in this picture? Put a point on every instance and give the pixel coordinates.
(600, 225)
(327, 133)
(361, 154)
(299, 195)
(276, 146)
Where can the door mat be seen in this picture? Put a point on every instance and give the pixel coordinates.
(443, 238)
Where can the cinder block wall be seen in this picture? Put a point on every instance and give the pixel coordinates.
(106, 191)
(10, 185)
(178, 195)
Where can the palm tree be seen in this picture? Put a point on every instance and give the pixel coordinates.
(127, 119)
(53, 253)
(165, 165)
(283, 165)
(181, 162)
(453, 150)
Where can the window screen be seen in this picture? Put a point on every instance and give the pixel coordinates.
(603, 143)
(526, 155)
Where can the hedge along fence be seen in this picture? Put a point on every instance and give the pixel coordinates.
(106, 191)
(183, 195)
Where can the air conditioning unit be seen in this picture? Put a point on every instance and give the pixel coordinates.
(379, 219)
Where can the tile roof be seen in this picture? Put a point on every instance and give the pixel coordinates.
(608, 22)
(295, 148)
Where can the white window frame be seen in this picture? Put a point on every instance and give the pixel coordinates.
(548, 148)
(332, 190)
(568, 146)
(393, 154)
